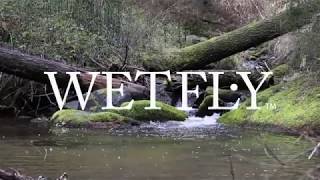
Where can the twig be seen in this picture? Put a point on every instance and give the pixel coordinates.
(314, 151)
(270, 153)
(45, 154)
(125, 60)
(97, 63)
(231, 168)
(265, 63)
(47, 95)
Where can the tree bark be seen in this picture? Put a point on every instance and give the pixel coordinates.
(33, 67)
(199, 55)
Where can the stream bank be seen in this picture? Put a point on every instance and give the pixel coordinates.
(290, 105)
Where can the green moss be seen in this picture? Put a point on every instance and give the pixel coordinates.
(162, 60)
(203, 108)
(76, 117)
(222, 92)
(209, 91)
(166, 113)
(260, 51)
(280, 71)
(235, 117)
(225, 96)
(296, 103)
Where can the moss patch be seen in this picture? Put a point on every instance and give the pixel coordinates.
(166, 113)
(222, 92)
(203, 108)
(225, 96)
(76, 117)
(297, 106)
(280, 71)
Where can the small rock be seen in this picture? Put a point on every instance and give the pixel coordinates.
(41, 122)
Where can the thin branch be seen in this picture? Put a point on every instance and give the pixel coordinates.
(231, 168)
(315, 150)
(271, 154)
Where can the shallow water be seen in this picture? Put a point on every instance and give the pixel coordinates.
(157, 151)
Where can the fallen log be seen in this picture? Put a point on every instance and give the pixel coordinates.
(32, 67)
(199, 55)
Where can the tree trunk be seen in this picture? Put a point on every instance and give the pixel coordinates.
(33, 67)
(199, 55)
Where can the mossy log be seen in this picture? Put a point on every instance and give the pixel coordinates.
(32, 67)
(225, 97)
(206, 103)
(199, 55)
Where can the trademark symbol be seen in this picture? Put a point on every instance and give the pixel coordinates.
(271, 106)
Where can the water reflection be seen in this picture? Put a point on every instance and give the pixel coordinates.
(136, 155)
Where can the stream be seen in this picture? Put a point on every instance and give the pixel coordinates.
(195, 149)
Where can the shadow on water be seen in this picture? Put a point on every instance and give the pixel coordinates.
(166, 151)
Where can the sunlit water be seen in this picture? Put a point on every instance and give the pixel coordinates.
(198, 149)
